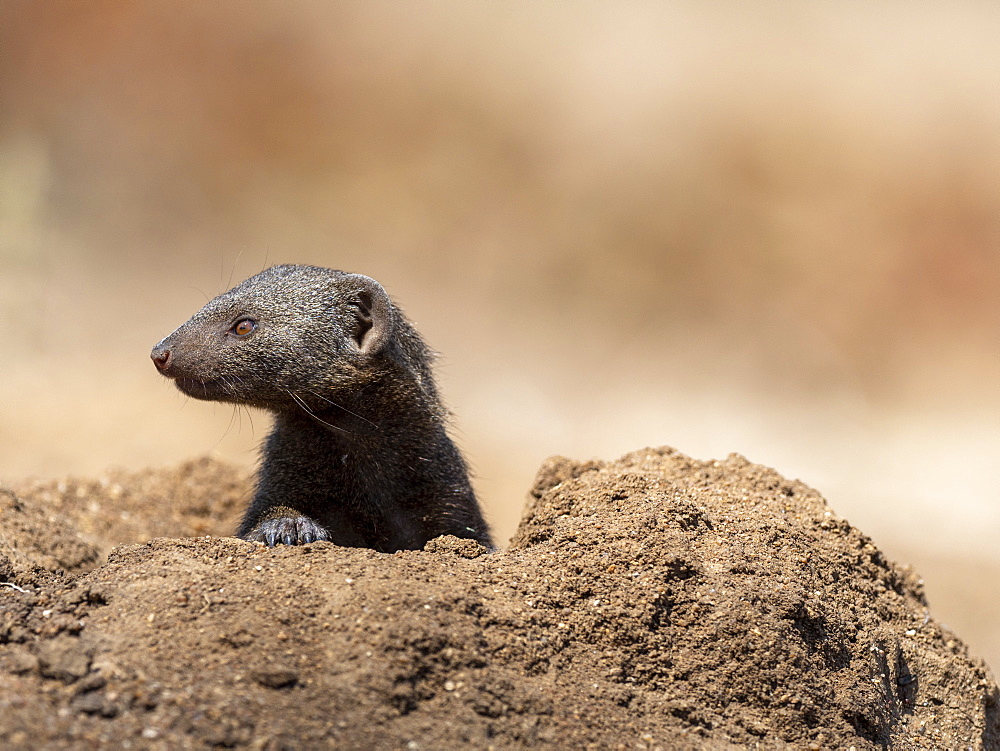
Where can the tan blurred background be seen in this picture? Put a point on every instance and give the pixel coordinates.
(773, 230)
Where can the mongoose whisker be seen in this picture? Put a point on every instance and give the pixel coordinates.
(298, 400)
(332, 403)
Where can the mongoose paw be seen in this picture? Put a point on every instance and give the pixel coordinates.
(288, 530)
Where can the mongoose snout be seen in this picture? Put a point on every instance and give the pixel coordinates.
(359, 453)
(161, 357)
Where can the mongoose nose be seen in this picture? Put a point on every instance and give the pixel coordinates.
(161, 358)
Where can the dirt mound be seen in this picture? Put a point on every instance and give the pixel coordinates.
(199, 497)
(651, 602)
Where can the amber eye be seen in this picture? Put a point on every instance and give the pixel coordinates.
(244, 327)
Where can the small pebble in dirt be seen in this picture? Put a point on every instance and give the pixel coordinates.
(89, 703)
(91, 682)
(21, 661)
(275, 677)
(61, 658)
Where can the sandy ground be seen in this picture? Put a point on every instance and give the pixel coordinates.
(652, 602)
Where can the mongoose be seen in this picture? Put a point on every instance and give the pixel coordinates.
(359, 453)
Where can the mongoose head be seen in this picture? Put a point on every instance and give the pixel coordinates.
(287, 337)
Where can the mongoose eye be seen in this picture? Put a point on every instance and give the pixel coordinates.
(245, 327)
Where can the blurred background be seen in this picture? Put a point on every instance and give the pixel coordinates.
(771, 230)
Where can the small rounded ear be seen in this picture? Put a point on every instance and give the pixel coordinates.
(373, 313)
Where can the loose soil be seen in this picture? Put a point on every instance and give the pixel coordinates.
(651, 602)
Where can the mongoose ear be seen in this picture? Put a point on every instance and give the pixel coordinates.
(374, 316)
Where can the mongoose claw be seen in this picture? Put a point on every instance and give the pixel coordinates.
(287, 530)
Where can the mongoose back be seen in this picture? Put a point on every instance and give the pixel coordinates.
(359, 453)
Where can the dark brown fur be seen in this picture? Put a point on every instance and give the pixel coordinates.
(359, 454)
